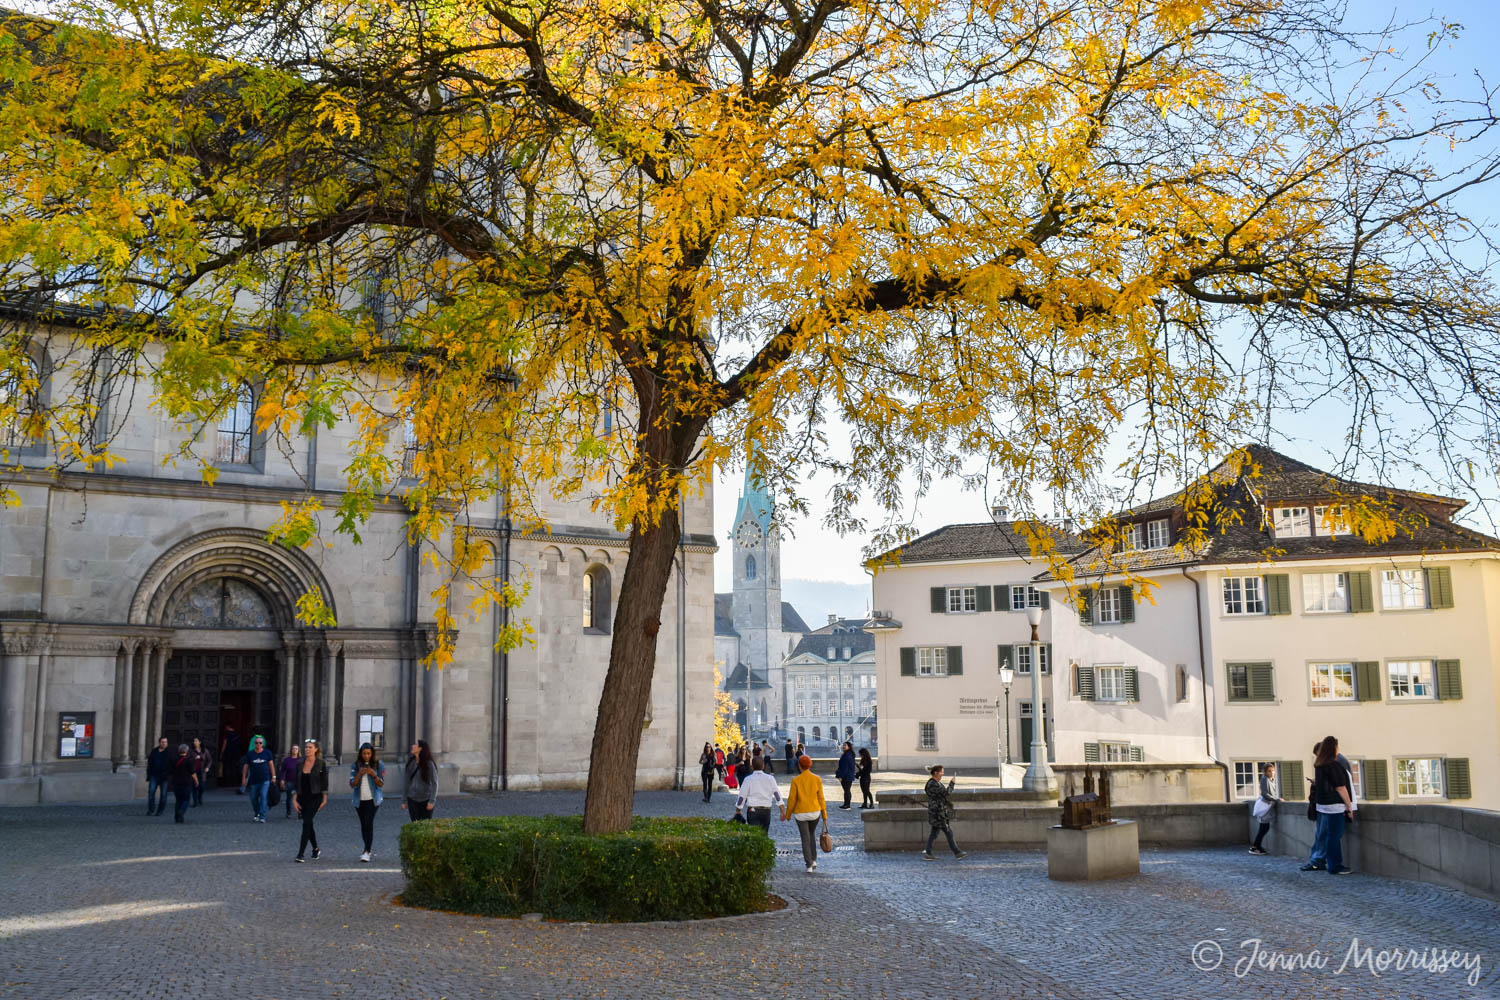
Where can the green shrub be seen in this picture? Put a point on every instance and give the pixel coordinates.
(660, 869)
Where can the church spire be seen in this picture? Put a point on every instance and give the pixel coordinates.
(754, 501)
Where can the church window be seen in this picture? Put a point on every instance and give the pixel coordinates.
(236, 436)
(222, 602)
(22, 393)
(749, 567)
(596, 600)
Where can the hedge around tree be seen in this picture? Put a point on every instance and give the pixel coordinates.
(660, 869)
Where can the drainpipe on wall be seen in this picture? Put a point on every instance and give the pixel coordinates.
(500, 662)
(680, 774)
(1203, 675)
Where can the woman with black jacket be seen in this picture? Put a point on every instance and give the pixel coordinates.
(864, 770)
(1334, 802)
(706, 771)
(311, 795)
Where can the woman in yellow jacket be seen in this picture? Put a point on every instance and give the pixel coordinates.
(805, 804)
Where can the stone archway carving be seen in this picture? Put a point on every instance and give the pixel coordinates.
(280, 575)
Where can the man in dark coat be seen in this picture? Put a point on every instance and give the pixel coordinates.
(791, 758)
(158, 777)
(940, 812)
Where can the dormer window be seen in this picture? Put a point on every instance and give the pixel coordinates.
(1292, 522)
(1155, 534)
(1332, 520)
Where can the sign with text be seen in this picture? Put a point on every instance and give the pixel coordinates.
(976, 706)
(75, 736)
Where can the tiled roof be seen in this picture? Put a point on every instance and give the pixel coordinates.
(975, 541)
(736, 679)
(1236, 533)
(844, 632)
(790, 620)
(724, 614)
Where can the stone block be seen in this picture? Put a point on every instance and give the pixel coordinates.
(20, 791)
(94, 787)
(1102, 852)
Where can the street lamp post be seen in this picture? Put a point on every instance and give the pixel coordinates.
(1039, 776)
(1006, 676)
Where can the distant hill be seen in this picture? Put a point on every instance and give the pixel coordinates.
(815, 600)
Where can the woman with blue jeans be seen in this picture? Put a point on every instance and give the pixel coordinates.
(1334, 802)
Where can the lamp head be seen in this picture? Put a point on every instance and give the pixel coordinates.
(1006, 673)
(1033, 617)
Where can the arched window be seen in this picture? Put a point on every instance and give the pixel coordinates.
(596, 600)
(237, 429)
(817, 733)
(749, 567)
(801, 734)
(23, 395)
(763, 714)
(409, 448)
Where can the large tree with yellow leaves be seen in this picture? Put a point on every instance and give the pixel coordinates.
(598, 246)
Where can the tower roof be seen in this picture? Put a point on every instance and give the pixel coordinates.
(754, 501)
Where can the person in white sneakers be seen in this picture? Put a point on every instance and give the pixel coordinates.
(367, 778)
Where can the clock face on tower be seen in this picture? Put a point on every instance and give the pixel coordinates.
(747, 534)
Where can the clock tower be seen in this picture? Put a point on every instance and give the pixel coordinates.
(756, 549)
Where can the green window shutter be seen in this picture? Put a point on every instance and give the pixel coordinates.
(1450, 681)
(982, 598)
(1456, 786)
(1127, 605)
(1262, 682)
(1085, 607)
(1293, 788)
(1377, 780)
(1086, 683)
(1132, 685)
(1046, 600)
(1091, 753)
(1137, 754)
(1367, 680)
(908, 661)
(1440, 587)
(1002, 596)
(939, 600)
(1278, 594)
(955, 661)
(1046, 657)
(1361, 595)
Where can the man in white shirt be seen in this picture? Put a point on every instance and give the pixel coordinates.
(758, 793)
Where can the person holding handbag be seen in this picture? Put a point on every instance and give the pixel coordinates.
(1265, 806)
(367, 778)
(940, 812)
(311, 795)
(806, 805)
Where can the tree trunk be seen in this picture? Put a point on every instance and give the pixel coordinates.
(609, 805)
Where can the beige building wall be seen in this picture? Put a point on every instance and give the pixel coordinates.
(962, 708)
(1286, 727)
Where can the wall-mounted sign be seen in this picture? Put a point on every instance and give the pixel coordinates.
(75, 736)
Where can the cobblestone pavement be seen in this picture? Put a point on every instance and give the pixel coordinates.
(103, 902)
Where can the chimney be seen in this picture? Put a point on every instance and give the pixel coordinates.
(833, 619)
(999, 513)
(1068, 525)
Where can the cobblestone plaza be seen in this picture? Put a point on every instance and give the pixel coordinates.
(104, 902)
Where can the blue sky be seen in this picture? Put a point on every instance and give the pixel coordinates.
(816, 553)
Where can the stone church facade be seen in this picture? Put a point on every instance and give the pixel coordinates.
(140, 602)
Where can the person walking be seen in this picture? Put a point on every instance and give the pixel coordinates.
(864, 770)
(158, 777)
(1265, 806)
(1333, 797)
(311, 796)
(806, 805)
(846, 772)
(420, 797)
(791, 758)
(742, 767)
(768, 756)
(184, 779)
(257, 768)
(367, 778)
(230, 750)
(203, 762)
(706, 771)
(286, 777)
(758, 793)
(940, 812)
(719, 760)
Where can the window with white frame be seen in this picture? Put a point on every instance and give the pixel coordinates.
(927, 736)
(1023, 596)
(848, 705)
(1403, 589)
(1419, 777)
(1244, 595)
(1332, 520)
(963, 599)
(1332, 681)
(1107, 606)
(1114, 753)
(801, 706)
(1357, 779)
(1023, 659)
(817, 705)
(816, 680)
(1109, 683)
(1247, 777)
(1324, 593)
(1158, 533)
(848, 652)
(932, 661)
(1135, 537)
(1292, 522)
(801, 682)
(237, 428)
(833, 653)
(1411, 680)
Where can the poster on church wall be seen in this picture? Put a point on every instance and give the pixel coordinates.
(75, 736)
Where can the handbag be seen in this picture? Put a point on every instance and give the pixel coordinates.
(825, 839)
(1261, 809)
(273, 795)
(737, 818)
